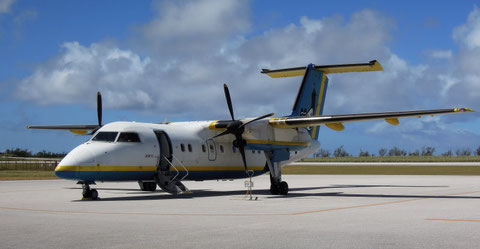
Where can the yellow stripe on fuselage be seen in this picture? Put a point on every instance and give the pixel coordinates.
(105, 168)
(319, 103)
(153, 168)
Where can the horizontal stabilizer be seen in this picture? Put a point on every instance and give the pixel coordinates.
(335, 121)
(327, 69)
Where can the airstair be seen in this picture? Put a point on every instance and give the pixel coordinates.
(169, 180)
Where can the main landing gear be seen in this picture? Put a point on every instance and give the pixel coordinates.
(147, 186)
(88, 193)
(278, 187)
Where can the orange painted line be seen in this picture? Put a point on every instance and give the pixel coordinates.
(359, 206)
(240, 214)
(459, 220)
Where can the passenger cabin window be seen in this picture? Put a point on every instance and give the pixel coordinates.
(105, 136)
(189, 147)
(129, 137)
(221, 148)
(203, 148)
(182, 147)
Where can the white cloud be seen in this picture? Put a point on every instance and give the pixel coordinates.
(441, 54)
(185, 28)
(78, 72)
(5, 5)
(468, 34)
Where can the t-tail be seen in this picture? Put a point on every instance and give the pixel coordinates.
(310, 99)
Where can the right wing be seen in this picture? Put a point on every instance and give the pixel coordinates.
(335, 122)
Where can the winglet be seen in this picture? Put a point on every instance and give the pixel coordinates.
(327, 69)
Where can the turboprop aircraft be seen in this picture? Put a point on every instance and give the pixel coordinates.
(166, 154)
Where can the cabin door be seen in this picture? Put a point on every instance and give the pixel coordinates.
(165, 147)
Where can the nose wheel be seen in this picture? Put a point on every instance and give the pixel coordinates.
(88, 193)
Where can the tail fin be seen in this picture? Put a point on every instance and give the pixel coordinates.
(311, 95)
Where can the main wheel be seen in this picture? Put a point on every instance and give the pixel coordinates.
(87, 193)
(151, 186)
(274, 189)
(283, 188)
(94, 194)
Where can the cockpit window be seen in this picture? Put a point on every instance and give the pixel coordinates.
(128, 137)
(105, 136)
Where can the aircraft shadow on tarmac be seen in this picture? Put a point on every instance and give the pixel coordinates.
(136, 195)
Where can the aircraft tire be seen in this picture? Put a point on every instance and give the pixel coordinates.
(94, 194)
(283, 188)
(274, 189)
(151, 186)
(87, 194)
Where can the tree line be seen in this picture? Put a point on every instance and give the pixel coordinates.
(26, 153)
(395, 151)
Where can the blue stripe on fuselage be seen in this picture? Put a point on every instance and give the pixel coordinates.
(149, 175)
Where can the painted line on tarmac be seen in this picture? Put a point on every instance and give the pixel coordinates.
(457, 220)
(223, 215)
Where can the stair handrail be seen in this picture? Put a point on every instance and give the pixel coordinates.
(171, 165)
(183, 166)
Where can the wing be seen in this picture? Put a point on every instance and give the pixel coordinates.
(335, 122)
(77, 129)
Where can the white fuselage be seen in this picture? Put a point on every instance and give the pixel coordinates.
(194, 155)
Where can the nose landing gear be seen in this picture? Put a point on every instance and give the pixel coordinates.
(88, 193)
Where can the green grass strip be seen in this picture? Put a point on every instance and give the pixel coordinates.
(26, 175)
(381, 170)
(396, 159)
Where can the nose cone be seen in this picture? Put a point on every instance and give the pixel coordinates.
(75, 161)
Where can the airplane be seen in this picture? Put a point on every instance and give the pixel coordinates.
(167, 154)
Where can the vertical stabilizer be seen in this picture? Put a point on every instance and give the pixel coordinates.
(311, 96)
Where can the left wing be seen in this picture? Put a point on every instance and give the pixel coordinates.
(335, 122)
(77, 129)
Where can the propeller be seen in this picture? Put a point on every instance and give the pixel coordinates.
(99, 108)
(237, 127)
(99, 113)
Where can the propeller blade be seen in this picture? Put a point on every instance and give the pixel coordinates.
(241, 148)
(229, 100)
(256, 119)
(99, 108)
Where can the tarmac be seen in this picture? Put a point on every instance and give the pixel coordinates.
(320, 211)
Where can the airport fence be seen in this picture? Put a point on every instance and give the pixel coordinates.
(37, 165)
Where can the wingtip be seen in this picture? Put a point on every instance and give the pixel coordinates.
(463, 110)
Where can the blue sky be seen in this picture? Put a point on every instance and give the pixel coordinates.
(168, 59)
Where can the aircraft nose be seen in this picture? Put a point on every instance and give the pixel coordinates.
(74, 161)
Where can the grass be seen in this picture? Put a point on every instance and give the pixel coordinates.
(396, 159)
(381, 170)
(26, 175)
